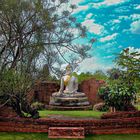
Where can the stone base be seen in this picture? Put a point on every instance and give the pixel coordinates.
(52, 107)
(69, 101)
(66, 132)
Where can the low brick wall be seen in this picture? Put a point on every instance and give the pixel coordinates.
(91, 126)
(121, 115)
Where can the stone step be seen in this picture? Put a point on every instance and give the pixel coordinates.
(66, 132)
(53, 107)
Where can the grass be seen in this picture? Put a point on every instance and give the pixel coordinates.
(44, 136)
(137, 106)
(89, 113)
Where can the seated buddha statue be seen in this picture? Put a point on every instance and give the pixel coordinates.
(69, 82)
(68, 96)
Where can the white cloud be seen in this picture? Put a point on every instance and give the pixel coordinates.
(137, 7)
(135, 17)
(109, 56)
(89, 16)
(120, 47)
(135, 27)
(106, 3)
(80, 8)
(109, 37)
(122, 9)
(76, 2)
(124, 18)
(93, 27)
(66, 6)
(92, 64)
(116, 21)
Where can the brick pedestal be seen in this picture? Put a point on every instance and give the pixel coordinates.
(66, 132)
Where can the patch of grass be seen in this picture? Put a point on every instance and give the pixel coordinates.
(114, 137)
(138, 106)
(44, 136)
(89, 113)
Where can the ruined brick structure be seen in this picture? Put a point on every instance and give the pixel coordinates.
(43, 90)
(7, 112)
(90, 87)
(128, 124)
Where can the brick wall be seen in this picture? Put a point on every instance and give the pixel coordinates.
(43, 90)
(91, 126)
(7, 112)
(90, 87)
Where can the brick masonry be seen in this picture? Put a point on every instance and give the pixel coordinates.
(66, 132)
(90, 88)
(43, 90)
(7, 112)
(116, 125)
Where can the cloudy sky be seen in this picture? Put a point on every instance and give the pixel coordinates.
(114, 23)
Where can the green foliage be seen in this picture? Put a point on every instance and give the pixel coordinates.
(98, 75)
(13, 85)
(129, 62)
(122, 84)
(38, 105)
(118, 95)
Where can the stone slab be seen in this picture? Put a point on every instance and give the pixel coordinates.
(66, 132)
(53, 107)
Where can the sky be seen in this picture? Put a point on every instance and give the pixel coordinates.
(115, 24)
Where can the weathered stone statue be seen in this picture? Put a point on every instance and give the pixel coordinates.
(68, 97)
(69, 82)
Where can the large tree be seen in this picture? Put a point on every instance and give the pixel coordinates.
(37, 31)
(34, 33)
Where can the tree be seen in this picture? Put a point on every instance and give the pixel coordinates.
(34, 33)
(129, 62)
(123, 83)
(13, 89)
(114, 73)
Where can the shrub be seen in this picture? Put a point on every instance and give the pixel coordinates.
(118, 95)
(38, 105)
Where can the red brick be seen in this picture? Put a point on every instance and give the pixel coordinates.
(66, 132)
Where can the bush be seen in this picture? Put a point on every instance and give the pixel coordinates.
(101, 107)
(118, 95)
(38, 105)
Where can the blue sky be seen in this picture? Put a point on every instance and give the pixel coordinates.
(114, 23)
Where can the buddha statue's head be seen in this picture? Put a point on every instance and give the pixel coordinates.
(68, 69)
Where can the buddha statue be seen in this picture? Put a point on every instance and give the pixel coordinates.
(68, 97)
(69, 82)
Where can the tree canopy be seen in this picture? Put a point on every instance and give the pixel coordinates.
(37, 32)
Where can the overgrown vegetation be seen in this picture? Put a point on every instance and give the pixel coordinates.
(123, 83)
